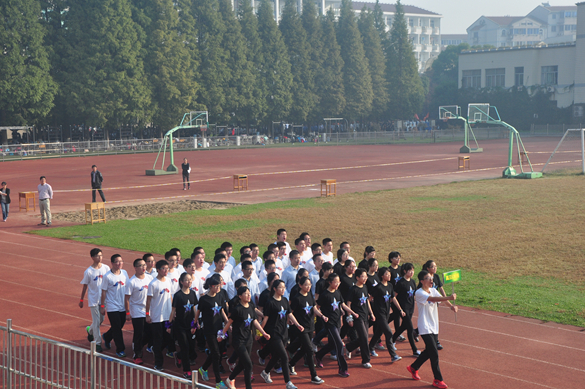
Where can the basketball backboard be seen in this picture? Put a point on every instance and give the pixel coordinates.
(449, 112)
(480, 113)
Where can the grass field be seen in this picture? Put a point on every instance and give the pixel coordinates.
(519, 243)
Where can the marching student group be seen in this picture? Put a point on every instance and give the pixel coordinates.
(288, 300)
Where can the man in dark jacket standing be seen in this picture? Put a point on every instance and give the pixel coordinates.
(96, 183)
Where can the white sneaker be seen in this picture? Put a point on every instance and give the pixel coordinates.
(367, 365)
(317, 380)
(266, 377)
(290, 385)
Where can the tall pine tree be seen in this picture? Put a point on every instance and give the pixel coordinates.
(376, 63)
(27, 88)
(103, 80)
(356, 75)
(275, 68)
(405, 87)
(312, 25)
(295, 39)
(329, 82)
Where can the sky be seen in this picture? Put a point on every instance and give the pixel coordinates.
(460, 14)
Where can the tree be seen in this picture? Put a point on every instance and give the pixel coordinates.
(376, 62)
(27, 87)
(275, 69)
(312, 25)
(380, 25)
(405, 87)
(329, 82)
(443, 76)
(103, 80)
(356, 75)
(295, 39)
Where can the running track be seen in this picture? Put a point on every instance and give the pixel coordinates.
(39, 277)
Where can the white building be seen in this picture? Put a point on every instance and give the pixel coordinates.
(561, 22)
(452, 39)
(557, 67)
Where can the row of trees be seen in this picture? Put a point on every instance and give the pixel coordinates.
(114, 63)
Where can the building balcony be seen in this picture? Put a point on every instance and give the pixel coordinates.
(417, 47)
(414, 30)
(435, 30)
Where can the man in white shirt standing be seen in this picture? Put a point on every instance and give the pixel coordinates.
(113, 301)
(327, 253)
(136, 293)
(281, 237)
(45, 195)
(92, 282)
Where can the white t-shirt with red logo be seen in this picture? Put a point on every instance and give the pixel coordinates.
(174, 278)
(93, 278)
(160, 304)
(115, 287)
(137, 289)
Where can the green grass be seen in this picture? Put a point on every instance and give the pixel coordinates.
(518, 242)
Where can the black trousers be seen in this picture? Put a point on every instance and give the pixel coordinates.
(278, 352)
(336, 343)
(186, 180)
(142, 335)
(117, 321)
(395, 317)
(161, 339)
(98, 189)
(244, 363)
(407, 326)
(304, 339)
(382, 327)
(361, 328)
(431, 353)
(186, 342)
(214, 357)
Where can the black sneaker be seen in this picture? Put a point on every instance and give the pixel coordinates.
(107, 345)
(439, 346)
(158, 368)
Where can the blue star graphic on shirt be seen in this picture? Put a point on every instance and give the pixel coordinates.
(375, 283)
(397, 279)
(281, 313)
(216, 309)
(363, 299)
(410, 292)
(188, 306)
(248, 321)
(335, 304)
(386, 297)
(307, 308)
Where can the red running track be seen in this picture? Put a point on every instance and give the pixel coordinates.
(39, 276)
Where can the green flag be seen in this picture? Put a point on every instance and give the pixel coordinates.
(452, 276)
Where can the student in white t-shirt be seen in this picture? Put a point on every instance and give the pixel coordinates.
(314, 276)
(113, 301)
(92, 282)
(227, 283)
(158, 311)
(308, 243)
(278, 266)
(249, 274)
(282, 254)
(196, 284)
(427, 299)
(200, 249)
(229, 250)
(327, 250)
(281, 237)
(255, 258)
(237, 272)
(199, 272)
(289, 275)
(315, 250)
(136, 292)
(148, 258)
(178, 265)
(228, 268)
(301, 246)
(269, 267)
(173, 274)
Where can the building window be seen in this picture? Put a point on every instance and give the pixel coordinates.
(519, 75)
(567, 27)
(411, 22)
(503, 32)
(553, 29)
(549, 75)
(519, 31)
(554, 16)
(495, 77)
(432, 23)
(471, 79)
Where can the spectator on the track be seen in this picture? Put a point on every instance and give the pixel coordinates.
(5, 201)
(45, 195)
(427, 298)
(186, 171)
(92, 282)
(96, 183)
(113, 302)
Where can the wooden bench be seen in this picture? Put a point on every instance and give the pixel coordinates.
(328, 188)
(463, 163)
(29, 198)
(240, 182)
(89, 213)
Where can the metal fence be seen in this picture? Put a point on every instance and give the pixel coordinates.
(103, 147)
(30, 361)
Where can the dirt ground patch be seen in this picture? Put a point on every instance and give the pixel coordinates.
(130, 212)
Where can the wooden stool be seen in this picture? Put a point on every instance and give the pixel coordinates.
(524, 156)
(463, 163)
(99, 207)
(240, 182)
(330, 187)
(29, 197)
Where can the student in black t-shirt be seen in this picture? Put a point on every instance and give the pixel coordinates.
(373, 279)
(369, 253)
(394, 268)
(295, 289)
(342, 256)
(405, 289)
(347, 281)
(383, 295)
(304, 309)
(212, 308)
(243, 322)
(186, 170)
(182, 315)
(331, 304)
(276, 316)
(358, 301)
(262, 301)
(431, 267)
(320, 331)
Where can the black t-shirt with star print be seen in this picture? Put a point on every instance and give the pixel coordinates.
(242, 327)
(302, 310)
(382, 300)
(372, 282)
(358, 297)
(405, 294)
(330, 305)
(210, 308)
(277, 313)
(184, 313)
